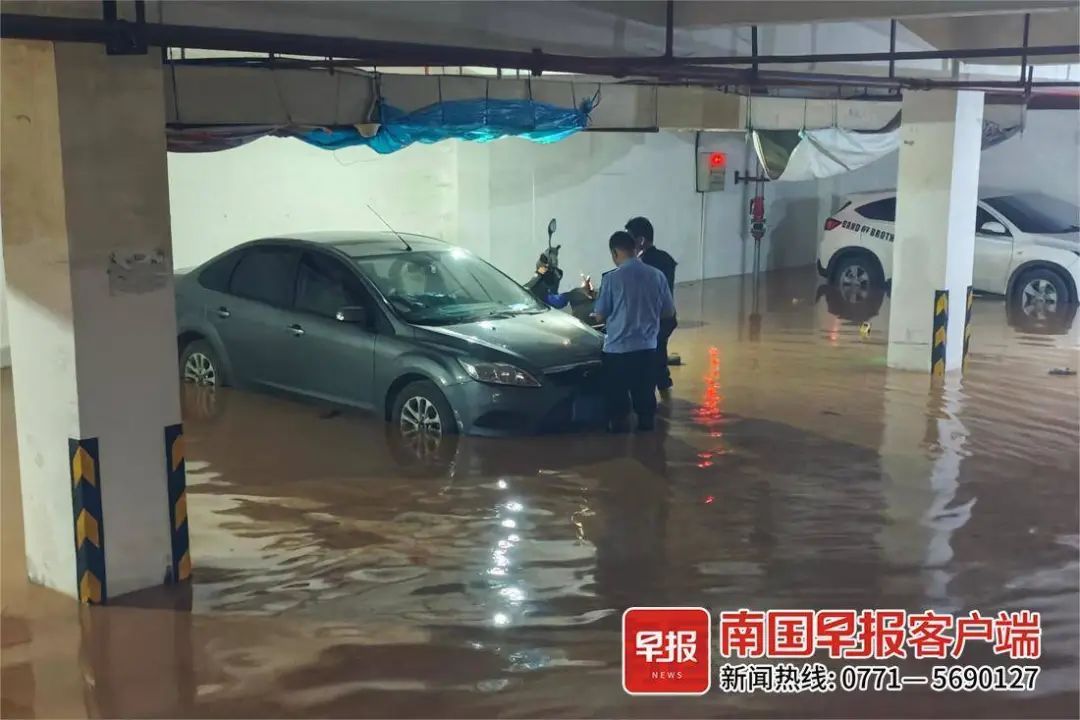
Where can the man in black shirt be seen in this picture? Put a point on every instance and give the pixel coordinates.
(642, 231)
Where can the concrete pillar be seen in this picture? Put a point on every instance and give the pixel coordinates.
(92, 322)
(937, 191)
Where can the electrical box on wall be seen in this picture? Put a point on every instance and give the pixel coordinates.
(711, 171)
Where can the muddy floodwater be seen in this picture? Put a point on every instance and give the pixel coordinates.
(341, 572)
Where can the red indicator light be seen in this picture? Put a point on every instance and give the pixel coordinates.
(717, 160)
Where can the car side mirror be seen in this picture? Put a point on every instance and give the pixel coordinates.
(993, 227)
(352, 314)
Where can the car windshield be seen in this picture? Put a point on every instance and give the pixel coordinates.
(1037, 213)
(445, 287)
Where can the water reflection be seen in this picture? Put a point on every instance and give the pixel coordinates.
(922, 449)
(1056, 323)
(856, 308)
(870, 303)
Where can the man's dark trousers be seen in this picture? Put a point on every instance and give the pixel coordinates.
(631, 379)
(663, 372)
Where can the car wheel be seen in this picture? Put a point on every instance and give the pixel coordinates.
(199, 365)
(1041, 294)
(422, 415)
(856, 275)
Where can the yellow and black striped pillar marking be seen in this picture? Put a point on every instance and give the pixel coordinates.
(178, 517)
(967, 330)
(89, 521)
(941, 332)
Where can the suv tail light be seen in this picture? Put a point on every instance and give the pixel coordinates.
(832, 224)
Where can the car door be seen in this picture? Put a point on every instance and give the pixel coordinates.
(327, 358)
(993, 252)
(876, 227)
(252, 320)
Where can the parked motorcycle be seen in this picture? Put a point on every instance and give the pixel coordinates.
(548, 276)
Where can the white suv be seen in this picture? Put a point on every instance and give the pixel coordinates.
(1027, 247)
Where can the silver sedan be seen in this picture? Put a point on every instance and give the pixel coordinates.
(424, 333)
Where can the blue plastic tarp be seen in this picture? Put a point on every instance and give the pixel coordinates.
(479, 120)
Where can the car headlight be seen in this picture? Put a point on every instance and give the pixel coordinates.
(499, 374)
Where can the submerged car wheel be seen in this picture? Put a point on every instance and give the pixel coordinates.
(856, 275)
(1041, 294)
(199, 364)
(422, 415)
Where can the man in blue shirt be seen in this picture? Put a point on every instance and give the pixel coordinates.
(642, 230)
(633, 298)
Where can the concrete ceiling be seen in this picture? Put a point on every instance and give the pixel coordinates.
(601, 28)
(1002, 30)
(612, 30)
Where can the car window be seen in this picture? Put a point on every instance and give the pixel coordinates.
(266, 274)
(445, 287)
(324, 286)
(879, 210)
(216, 275)
(1037, 213)
(982, 217)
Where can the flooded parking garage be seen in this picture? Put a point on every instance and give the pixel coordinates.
(271, 269)
(339, 571)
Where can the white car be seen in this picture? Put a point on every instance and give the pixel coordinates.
(1027, 248)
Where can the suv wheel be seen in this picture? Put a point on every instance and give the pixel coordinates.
(856, 275)
(1041, 294)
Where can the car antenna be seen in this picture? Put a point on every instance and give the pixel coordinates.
(399, 235)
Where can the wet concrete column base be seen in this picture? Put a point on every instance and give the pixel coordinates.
(87, 249)
(937, 192)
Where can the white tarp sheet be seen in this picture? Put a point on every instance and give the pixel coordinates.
(833, 151)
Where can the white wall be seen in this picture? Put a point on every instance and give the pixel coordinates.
(496, 198)
(278, 185)
(593, 183)
(493, 198)
(1046, 157)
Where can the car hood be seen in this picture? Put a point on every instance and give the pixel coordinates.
(542, 341)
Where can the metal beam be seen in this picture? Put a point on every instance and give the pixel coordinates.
(14, 25)
(1024, 57)
(753, 49)
(958, 54)
(892, 48)
(669, 30)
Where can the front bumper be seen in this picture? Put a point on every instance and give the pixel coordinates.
(557, 405)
